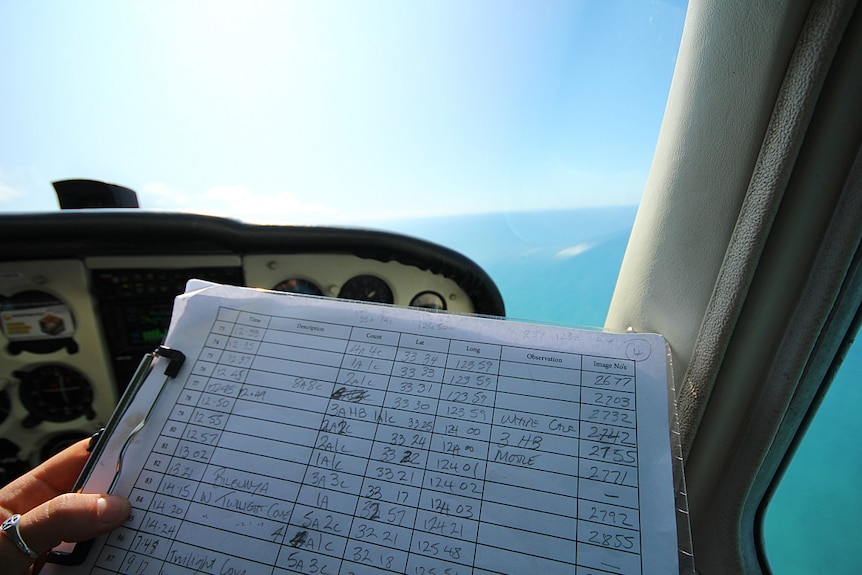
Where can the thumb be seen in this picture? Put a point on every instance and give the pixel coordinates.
(72, 517)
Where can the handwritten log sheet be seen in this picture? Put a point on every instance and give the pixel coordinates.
(317, 436)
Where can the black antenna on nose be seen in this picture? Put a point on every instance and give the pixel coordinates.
(80, 194)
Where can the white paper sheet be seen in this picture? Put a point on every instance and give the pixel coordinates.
(309, 435)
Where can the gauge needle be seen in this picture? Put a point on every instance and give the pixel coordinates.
(61, 385)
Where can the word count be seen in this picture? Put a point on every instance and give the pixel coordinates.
(297, 445)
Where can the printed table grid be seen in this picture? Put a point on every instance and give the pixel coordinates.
(336, 449)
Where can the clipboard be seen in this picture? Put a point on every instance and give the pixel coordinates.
(481, 443)
(75, 554)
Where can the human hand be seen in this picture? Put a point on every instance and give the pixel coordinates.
(49, 514)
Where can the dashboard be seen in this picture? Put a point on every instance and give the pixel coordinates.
(84, 294)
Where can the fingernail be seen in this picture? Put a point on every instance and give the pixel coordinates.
(112, 508)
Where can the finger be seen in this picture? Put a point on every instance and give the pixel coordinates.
(60, 471)
(53, 477)
(72, 517)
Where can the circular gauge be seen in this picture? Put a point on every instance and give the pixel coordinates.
(366, 288)
(297, 285)
(55, 393)
(428, 300)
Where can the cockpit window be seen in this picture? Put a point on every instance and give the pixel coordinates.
(509, 131)
(817, 500)
(336, 112)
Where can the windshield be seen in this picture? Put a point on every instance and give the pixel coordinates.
(485, 120)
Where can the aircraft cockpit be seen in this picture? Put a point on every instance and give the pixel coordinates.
(692, 169)
(90, 291)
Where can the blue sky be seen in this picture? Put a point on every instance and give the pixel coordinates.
(335, 112)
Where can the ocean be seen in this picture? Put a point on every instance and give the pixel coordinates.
(551, 266)
(560, 267)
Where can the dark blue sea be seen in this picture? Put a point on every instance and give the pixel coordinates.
(560, 267)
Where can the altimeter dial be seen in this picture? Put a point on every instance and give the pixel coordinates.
(55, 393)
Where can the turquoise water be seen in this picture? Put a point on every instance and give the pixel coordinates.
(555, 267)
(811, 523)
(561, 267)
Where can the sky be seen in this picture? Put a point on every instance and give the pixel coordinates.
(335, 112)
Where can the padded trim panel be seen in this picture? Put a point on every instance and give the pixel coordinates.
(733, 57)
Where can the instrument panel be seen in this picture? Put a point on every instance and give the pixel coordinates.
(85, 294)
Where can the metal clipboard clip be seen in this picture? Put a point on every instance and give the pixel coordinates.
(100, 439)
